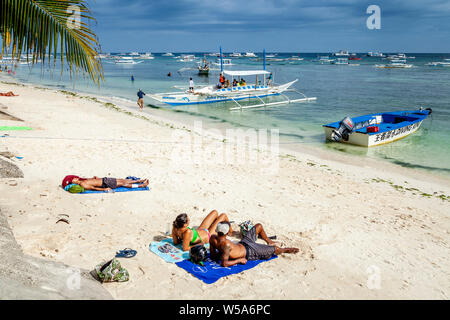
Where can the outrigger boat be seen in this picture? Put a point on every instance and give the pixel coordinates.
(255, 91)
(376, 129)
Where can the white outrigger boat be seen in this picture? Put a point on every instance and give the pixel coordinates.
(250, 91)
(210, 94)
(126, 61)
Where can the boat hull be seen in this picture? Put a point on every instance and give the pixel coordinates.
(390, 132)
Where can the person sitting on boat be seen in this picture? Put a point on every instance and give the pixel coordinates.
(189, 237)
(230, 253)
(102, 184)
(191, 85)
(227, 83)
(269, 79)
(235, 83)
(242, 83)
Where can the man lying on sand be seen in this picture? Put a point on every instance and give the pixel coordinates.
(8, 94)
(231, 253)
(102, 184)
(189, 237)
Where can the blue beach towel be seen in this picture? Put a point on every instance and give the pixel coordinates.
(169, 252)
(211, 271)
(119, 189)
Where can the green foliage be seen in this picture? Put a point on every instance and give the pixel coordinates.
(40, 28)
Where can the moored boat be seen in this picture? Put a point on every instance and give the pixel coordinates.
(376, 129)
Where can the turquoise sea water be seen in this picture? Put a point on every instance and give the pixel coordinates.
(340, 90)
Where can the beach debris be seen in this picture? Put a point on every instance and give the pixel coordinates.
(62, 218)
(110, 271)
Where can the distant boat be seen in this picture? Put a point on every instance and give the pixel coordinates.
(147, 56)
(203, 69)
(375, 54)
(168, 54)
(225, 62)
(340, 61)
(324, 60)
(353, 56)
(439, 64)
(235, 55)
(295, 58)
(341, 53)
(187, 58)
(395, 64)
(376, 129)
(126, 61)
(250, 55)
(134, 53)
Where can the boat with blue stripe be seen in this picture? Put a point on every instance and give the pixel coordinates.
(259, 84)
(376, 129)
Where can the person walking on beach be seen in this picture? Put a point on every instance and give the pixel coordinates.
(230, 253)
(191, 85)
(140, 101)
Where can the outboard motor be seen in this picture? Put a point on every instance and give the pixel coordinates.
(345, 128)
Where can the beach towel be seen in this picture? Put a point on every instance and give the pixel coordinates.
(169, 252)
(119, 189)
(212, 271)
(10, 128)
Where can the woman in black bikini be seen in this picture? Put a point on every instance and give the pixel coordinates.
(189, 237)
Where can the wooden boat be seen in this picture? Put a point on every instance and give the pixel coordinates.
(376, 129)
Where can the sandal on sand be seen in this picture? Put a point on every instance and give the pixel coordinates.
(126, 253)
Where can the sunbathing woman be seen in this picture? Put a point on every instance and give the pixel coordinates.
(8, 94)
(101, 184)
(189, 237)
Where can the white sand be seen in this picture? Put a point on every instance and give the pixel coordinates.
(351, 230)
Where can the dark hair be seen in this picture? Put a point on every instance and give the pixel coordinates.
(180, 221)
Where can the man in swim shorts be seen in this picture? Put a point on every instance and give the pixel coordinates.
(102, 184)
(230, 253)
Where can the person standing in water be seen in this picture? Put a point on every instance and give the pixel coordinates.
(132, 78)
(191, 85)
(140, 101)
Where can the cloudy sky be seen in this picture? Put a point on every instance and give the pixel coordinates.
(276, 25)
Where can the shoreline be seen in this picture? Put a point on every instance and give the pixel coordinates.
(185, 120)
(345, 217)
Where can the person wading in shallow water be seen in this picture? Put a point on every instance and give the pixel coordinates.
(140, 101)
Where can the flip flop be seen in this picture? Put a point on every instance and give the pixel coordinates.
(126, 253)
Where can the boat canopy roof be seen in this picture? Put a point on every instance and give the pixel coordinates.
(245, 72)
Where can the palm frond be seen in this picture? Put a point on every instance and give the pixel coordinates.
(41, 28)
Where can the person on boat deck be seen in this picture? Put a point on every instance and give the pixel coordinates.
(191, 85)
(235, 82)
(230, 253)
(102, 184)
(242, 83)
(269, 79)
(140, 101)
(189, 237)
(221, 79)
(227, 83)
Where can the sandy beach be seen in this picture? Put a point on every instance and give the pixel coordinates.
(367, 230)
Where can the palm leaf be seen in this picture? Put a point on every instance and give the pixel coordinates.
(41, 28)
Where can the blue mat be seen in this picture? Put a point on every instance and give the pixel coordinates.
(119, 189)
(212, 271)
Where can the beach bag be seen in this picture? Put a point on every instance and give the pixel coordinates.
(111, 271)
(245, 227)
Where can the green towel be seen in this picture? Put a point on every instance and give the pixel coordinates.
(9, 128)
